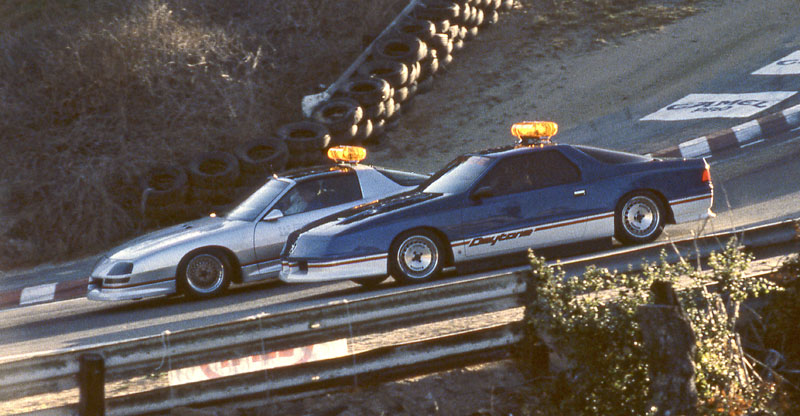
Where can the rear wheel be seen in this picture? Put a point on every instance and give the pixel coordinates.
(205, 274)
(416, 256)
(639, 218)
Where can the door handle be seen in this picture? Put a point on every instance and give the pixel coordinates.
(581, 192)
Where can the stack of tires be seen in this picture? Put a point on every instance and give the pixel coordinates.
(402, 64)
(211, 182)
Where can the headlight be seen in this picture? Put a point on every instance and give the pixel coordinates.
(121, 268)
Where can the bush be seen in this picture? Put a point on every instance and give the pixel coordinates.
(589, 320)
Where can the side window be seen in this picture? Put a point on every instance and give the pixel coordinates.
(319, 193)
(530, 171)
(504, 178)
(550, 168)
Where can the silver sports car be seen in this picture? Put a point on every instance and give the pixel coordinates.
(202, 257)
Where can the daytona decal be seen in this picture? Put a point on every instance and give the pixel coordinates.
(789, 65)
(492, 240)
(695, 106)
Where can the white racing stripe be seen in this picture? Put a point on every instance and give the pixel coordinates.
(37, 294)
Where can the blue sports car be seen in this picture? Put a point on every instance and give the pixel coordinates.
(500, 201)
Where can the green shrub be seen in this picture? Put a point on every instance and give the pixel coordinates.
(589, 320)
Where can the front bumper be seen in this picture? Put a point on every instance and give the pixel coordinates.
(97, 290)
(302, 271)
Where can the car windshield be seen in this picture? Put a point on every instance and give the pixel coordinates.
(458, 175)
(258, 201)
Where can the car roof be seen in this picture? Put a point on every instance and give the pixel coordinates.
(307, 172)
(513, 149)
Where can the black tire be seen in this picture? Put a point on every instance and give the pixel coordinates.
(204, 274)
(400, 94)
(429, 66)
(378, 129)
(262, 156)
(414, 74)
(492, 17)
(367, 91)
(364, 132)
(416, 256)
(412, 90)
(458, 45)
(394, 72)
(164, 185)
(375, 111)
(472, 33)
(639, 218)
(467, 15)
(494, 4)
(442, 44)
(370, 281)
(391, 109)
(400, 47)
(304, 136)
(437, 10)
(345, 136)
(425, 85)
(213, 170)
(479, 17)
(442, 26)
(419, 28)
(444, 62)
(338, 114)
(462, 32)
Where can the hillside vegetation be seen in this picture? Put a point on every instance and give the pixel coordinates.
(94, 93)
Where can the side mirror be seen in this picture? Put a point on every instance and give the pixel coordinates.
(273, 215)
(482, 192)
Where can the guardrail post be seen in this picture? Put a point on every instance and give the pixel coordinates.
(669, 340)
(91, 377)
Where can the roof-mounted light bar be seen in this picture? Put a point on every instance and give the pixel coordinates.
(347, 154)
(534, 132)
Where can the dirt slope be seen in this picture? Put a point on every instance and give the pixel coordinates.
(530, 67)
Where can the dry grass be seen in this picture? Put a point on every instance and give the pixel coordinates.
(93, 93)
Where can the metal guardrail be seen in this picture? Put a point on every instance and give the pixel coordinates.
(56, 371)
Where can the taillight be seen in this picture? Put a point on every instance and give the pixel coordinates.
(707, 174)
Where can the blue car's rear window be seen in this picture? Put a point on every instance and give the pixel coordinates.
(612, 157)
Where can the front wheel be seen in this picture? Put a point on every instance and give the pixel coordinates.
(204, 274)
(639, 218)
(416, 256)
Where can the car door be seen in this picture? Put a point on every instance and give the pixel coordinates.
(527, 200)
(307, 201)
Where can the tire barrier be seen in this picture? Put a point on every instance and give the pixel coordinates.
(368, 100)
(304, 139)
(259, 158)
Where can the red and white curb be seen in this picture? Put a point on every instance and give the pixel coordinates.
(46, 293)
(741, 135)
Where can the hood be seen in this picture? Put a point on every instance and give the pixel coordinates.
(381, 206)
(161, 239)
